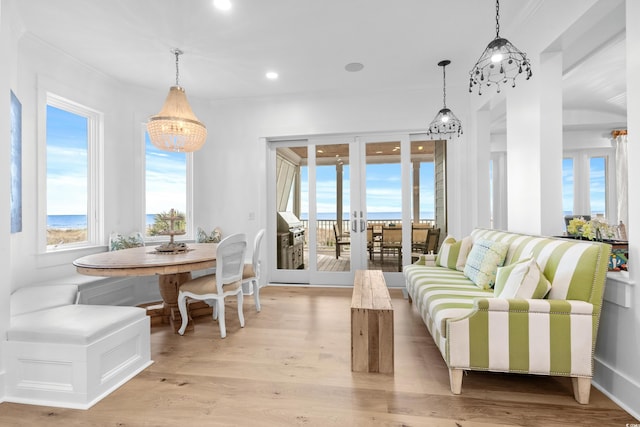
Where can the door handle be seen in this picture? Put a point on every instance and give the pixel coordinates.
(354, 225)
(363, 225)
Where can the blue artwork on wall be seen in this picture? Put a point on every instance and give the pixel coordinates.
(16, 164)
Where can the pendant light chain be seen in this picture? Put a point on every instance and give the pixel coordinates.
(444, 87)
(497, 18)
(177, 52)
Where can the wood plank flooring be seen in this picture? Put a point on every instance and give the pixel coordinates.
(328, 262)
(290, 366)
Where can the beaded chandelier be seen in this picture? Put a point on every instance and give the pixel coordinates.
(500, 63)
(175, 127)
(445, 124)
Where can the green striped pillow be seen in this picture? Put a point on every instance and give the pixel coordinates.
(483, 262)
(522, 279)
(453, 254)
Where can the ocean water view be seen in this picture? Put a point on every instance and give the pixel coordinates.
(77, 222)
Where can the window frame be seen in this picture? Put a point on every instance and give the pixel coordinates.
(190, 229)
(582, 180)
(95, 172)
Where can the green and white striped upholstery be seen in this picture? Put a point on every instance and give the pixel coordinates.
(556, 335)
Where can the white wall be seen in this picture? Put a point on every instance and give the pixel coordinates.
(43, 69)
(7, 75)
(228, 195)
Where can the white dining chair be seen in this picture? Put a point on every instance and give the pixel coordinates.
(214, 288)
(251, 272)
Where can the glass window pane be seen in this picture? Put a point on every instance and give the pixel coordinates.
(333, 207)
(567, 186)
(67, 177)
(165, 186)
(292, 207)
(597, 185)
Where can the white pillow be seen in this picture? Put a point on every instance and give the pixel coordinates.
(522, 280)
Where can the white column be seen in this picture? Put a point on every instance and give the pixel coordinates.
(633, 127)
(524, 153)
(8, 52)
(483, 156)
(551, 215)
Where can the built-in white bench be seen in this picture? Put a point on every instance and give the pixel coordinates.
(59, 353)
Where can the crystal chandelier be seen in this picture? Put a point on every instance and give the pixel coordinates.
(500, 63)
(175, 127)
(445, 123)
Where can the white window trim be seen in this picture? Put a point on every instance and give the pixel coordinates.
(581, 180)
(95, 172)
(190, 229)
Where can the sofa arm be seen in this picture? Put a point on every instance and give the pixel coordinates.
(550, 337)
(428, 260)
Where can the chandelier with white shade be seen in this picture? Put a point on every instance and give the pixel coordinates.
(175, 127)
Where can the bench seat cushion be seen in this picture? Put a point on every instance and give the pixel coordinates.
(34, 298)
(72, 324)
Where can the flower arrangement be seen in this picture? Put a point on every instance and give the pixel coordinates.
(595, 229)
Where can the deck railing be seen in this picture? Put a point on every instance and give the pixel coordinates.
(324, 229)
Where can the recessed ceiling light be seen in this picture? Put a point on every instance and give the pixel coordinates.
(353, 67)
(271, 75)
(222, 4)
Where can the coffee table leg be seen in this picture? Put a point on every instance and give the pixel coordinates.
(169, 284)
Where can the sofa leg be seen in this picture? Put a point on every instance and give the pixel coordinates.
(455, 379)
(581, 389)
(409, 298)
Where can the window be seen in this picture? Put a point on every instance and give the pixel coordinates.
(586, 184)
(567, 186)
(73, 175)
(598, 186)
(167, 187)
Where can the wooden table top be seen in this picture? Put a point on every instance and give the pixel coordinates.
(145, 261)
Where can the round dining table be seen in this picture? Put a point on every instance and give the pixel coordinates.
(173, 269)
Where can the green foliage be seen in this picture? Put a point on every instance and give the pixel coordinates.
(161, 223)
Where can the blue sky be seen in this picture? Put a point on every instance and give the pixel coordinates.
(597, 184)
(66, 163)
(166, 177)
(166, 180)
(384, 188)
(67, 169)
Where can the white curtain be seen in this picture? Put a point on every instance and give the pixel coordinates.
(622, 178)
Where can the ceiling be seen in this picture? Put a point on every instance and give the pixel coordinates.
(309, 43)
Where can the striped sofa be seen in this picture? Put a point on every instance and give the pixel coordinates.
(475, 330)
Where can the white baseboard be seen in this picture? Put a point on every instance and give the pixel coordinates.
(3, 381)
(617, 387)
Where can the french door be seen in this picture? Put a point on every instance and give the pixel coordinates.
(355, 196)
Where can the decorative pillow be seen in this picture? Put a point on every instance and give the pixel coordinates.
(483, 262)
(452, 254)
(522, 279)
(118, 241)
(214, 237)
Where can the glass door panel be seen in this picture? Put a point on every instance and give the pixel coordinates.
(383, 203)
(424, 232)
(358, 199)
(333, 235)
(291, 205)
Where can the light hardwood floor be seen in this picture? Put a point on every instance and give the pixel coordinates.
(290, 366)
